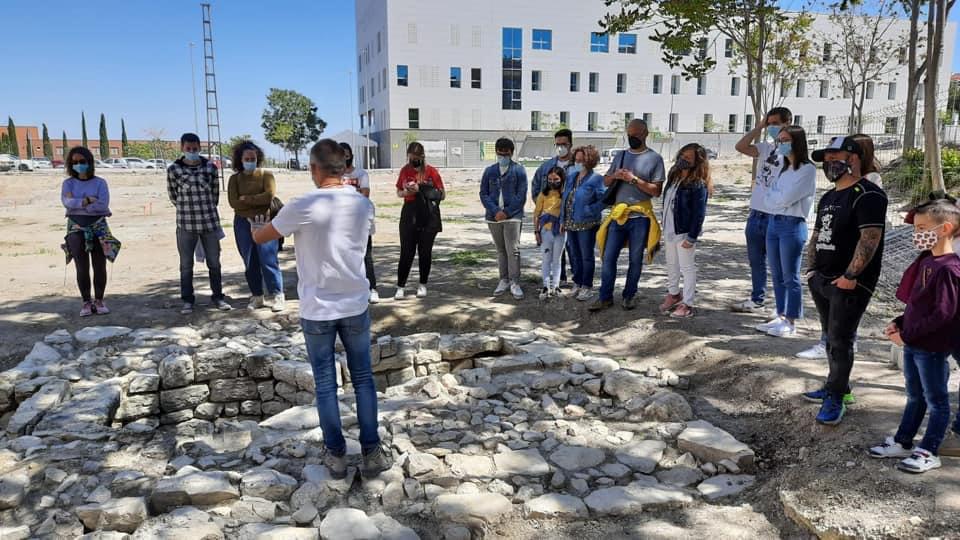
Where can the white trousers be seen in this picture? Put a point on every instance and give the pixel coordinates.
(551, 247)
(681, 261)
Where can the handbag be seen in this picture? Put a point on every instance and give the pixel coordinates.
(275, 206)
(610, 196)
(427, 216)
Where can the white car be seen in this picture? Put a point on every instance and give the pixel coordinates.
(139, 163)
(42, 163)
(8, 162)
(117, 163)
(159, 163)
(101, 164)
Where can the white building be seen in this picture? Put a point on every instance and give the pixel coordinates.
(456, 75)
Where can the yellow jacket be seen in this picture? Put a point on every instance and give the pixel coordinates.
(621, 213)
(547, 205)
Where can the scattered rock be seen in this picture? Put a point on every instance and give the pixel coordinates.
(724, 485)
(521, 462)
(575, 458)
(555, 505)
(268, 484)
(626, 385)
(630, 499)
(348, 524)
(642, 456)
(124, 514)
(93, 336)
(198, 488)
(710, 443)
(474, 510)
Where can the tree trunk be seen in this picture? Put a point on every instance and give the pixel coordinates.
(913, 78)
(859, 107)
(937, 19)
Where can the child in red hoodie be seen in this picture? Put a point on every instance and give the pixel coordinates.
(928, 331)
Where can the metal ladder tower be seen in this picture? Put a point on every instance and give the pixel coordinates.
(210, 87)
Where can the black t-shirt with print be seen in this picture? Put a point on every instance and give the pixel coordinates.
(841, 215)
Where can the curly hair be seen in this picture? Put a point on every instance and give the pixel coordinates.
(591, 157)
(238, 151)
(86, 154)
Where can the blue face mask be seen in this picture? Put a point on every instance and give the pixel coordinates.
(503, 161)
(785, 148)
(578, 168)
(249, 166)
(192, 156)
(81, 168)
(773, 131)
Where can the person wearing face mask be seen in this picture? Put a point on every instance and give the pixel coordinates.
(563, 141)
(357, 177)
(634, 178)
(421, 188)
(769, 165)
(546, 223)
(88, 241)
(928, 331)
(580, 217)
(250, 191)
(843, 265)
(193, 187)
(789, 200)
(503, 192)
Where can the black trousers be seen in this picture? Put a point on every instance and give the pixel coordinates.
(368, 264)
(840, 313)
(83, 260)
(414, 241)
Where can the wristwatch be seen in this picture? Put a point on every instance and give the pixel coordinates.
(850, 276)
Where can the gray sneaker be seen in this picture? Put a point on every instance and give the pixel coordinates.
(377, 461)
(629, 303)
(337, 465)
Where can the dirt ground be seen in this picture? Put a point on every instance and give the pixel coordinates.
(741, 380)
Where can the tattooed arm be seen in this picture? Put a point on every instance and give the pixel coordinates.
(811, 253)
(866, 249)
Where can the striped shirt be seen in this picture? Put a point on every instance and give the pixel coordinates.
(195, 191)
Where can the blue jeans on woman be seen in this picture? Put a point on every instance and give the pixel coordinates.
(786, 236)
(321, 337)
(580, 246)
(756, 233)
(634, 233)
(259, 260)
(925, 377)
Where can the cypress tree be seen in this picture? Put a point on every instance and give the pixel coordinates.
(124, 144)
(104, 141)
(14, 147)
(4, 146)
(83, 128)
(65, 149)
(29, 148)
(47, 146)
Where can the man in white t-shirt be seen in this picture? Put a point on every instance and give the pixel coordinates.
(331, 226)
(356, 176)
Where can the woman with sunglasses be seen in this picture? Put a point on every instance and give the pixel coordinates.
(88, 241)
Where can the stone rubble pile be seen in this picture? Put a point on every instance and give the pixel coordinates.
(211, 433)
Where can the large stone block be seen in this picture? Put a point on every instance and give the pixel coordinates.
(710, 443)
(138, 406)
(30, 411)
(86, 415)
(176, 371)
(259, 363)
(183, 398)
(293, 373)
(225, 390)
(476, 510)
(626, 385)
(142, 383)
(459, 347)
(196, 489)
(219, 363)
(123, 514)
(100, 335)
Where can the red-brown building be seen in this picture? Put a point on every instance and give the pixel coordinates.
(26, 134)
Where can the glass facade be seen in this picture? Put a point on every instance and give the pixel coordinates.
(512, 68)
(402, 75)
(542, 40)
(456, 77)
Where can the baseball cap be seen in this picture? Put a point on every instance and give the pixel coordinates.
(840, 144)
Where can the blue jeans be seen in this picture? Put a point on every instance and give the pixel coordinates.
(756, 233)
(260, 260)
(580, 246)
(320, 338)
(925, 377)
(634, 231)
(956, 423)
(786, 236)
(186, 245)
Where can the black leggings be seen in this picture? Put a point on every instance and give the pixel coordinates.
(83, 260)
(414, 241)
(368, 264)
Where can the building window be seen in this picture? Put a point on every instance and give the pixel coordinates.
(413, 118)
(871, 89)
(821, 123)
(627, 118)
(599, 42)
(536, 80)
(455, 77)
(826, 52)
(801, 88)
(798, 120)
(648, 119)
(902, 56)
(512, 68)
(454, 35)
(890, 125)
(373, 87)
(728, 49)
(475, 78)
(735, 86)
(892, 91)
(732, 123)
(708, 123)
(657, 84)
(592, 121)
(363, 93)
(594, 82)
(565, 118)
(702, 48)
(359, 64)
(748, 122)
(542, 40)
(674, 121)
(702, 86)
(627, 44)
(621, 83)
(574, 81)
(534, 120)
(675, 85)
(379, 43)
(824, 89)
(784, 89)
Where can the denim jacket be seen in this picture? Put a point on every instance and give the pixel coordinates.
(587, 199)
(689, 209)
(512, 185)
(540, 177)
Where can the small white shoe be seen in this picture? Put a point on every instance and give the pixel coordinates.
(545, 293)
(765, 327)
(585, 293)
(256, 302)
(784, 330)
(279, 303)
(574, 291)
(399, 294)
(502, 287)
(889, 448)
(516, 291)
(374, 297)
(817, 352)
(421, 291)
(920, 461)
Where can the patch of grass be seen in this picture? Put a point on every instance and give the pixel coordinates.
(390, 204)
(469, 258)
(41, 251)
(459, 220)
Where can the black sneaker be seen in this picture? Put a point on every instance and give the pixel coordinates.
(377, 461)
(629, 303)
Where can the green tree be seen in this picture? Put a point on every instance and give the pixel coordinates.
(29, 148)
(47, 145)
(104, 140)
(83, 129)
(124, 143)
(235, 140)
(4, 143)
(63, 141)
(141, 149)
(290, 120)
(13, 147)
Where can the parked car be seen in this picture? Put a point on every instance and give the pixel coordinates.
(57, 163)
(139, 163)
(25, 165)
(117, 163)
(219, 162)
(891, 143)
(7, 162)
(98, 164)
(42, 163)
(160, 163)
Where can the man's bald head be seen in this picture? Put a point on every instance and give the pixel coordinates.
(637, 128)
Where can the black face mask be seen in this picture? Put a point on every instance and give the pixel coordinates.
(683, 164)
(350, 162)
(416, 163)
(635, 142)
(835, 170)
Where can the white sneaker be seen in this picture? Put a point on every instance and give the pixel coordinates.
(516, 291)
(545, 293)
(222, 305)
(187, 308)
(399, 294)
(256, 302)
(747, 306)
(784, 329)
(421, 291)
(817, 352)
(585, 294)
(765, 327)
(574, 290)
(279, 302)
(889, 448)
(374, 297)
(502, 287)
(920, 461)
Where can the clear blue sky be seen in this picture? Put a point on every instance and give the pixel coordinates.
(134, 62)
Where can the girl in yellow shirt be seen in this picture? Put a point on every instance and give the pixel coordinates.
(550, 235)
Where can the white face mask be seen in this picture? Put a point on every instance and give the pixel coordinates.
(563, 151)
(925, 240)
